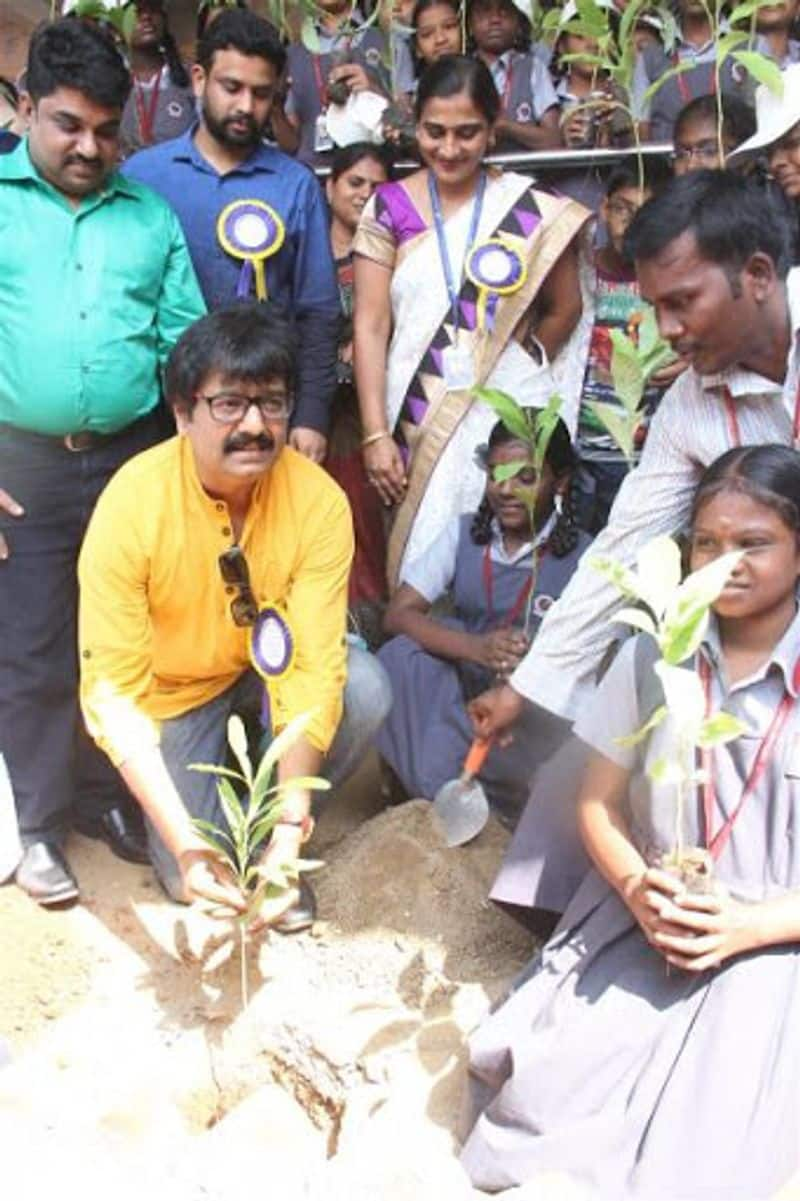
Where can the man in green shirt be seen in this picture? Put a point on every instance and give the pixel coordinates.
(97, 287)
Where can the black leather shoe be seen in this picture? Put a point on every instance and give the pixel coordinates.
(120, 831)
(45, 875)
(302, 914)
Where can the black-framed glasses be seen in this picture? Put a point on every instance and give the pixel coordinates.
(704, 152)
(229, 408)
(235, 573)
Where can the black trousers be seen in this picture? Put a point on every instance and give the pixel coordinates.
(54, 767)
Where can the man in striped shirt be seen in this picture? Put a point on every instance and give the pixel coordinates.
(712, 256)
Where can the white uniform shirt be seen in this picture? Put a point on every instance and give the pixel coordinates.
(688, 432)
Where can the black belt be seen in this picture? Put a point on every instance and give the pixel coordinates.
(76, 443)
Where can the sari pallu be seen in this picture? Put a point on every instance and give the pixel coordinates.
(440, 429)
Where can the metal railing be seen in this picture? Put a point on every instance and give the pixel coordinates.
(564, 159)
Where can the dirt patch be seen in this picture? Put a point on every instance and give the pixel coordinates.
(131, 1054)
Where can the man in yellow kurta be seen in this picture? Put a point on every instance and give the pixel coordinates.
(188, 543)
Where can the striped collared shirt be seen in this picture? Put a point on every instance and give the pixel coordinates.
(688, 432)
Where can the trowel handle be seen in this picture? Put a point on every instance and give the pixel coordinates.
(476, 756)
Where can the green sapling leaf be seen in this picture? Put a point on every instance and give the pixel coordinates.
(237, 740)
(656, 718)
(510, 413)
(762, 69)
(719, 728)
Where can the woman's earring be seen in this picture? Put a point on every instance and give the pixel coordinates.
(558, 504)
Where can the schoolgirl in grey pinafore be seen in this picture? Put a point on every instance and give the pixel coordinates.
(428, 732)
(636, 1081)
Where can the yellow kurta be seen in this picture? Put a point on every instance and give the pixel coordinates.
(156, 635)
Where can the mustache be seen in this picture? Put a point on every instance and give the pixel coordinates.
(79, 158)
(242, 119)
(236, 442)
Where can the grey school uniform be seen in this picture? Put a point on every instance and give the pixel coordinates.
(662, 110)
(525, 88)
(175, 112)
(427, 734)
(636, 1081)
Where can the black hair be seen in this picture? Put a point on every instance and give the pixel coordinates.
(730, 217)
(239, 29)
(247, 341)
(769, 473)
(421, 7)
(655, 175)
(561, 459)
(175, 64)
(738, 118)
(9, 91)
(74, 54)
(206, 9)
(457, 73)
(345, 157)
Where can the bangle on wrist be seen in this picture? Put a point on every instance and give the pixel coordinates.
(304, 824)
(371, 439)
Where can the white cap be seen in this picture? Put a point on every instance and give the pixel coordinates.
(69, 5)
(775, 115)
(570, 10)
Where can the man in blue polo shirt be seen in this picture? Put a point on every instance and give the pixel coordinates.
(222, 162)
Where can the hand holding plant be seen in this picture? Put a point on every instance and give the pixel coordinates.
(245, 863)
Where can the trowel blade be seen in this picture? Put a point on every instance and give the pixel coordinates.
(462, 809)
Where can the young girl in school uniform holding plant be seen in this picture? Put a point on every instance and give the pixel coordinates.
(653, 1049)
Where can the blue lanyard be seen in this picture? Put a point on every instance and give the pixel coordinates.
(438, 220)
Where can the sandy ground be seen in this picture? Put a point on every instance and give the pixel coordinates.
(134, 1066)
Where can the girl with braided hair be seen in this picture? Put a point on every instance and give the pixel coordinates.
(161, 104)
(485, 561)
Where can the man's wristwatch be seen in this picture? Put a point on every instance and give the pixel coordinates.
(304, 824)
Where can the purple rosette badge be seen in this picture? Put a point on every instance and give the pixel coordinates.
(251, 231)
(271, 644)
(496, 268)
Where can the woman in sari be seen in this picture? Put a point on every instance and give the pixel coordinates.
(464, 278)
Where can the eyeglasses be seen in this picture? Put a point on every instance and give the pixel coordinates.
(229, 408)
(234, 571)
(704, 152)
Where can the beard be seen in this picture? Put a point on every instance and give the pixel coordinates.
(220, 128)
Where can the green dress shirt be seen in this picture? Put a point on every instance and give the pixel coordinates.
(92, 300)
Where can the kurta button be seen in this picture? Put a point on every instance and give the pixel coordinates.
(87, 654)
(226, 529)
(83, 316)
(230, 591)
(220, 507)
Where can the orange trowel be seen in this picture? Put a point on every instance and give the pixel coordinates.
(461, 804)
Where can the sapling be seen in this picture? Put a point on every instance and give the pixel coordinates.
(250, 816)
(675, 614)
(635, 358)
(534, 428)
(614, 56)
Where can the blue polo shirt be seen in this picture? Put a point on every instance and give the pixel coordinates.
(301, 277)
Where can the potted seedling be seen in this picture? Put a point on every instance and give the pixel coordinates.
(675, 613)
(533, 427)
(252, 804)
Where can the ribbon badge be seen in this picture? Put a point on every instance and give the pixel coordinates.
(271, 644)
(496, 268)
(252, 231)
